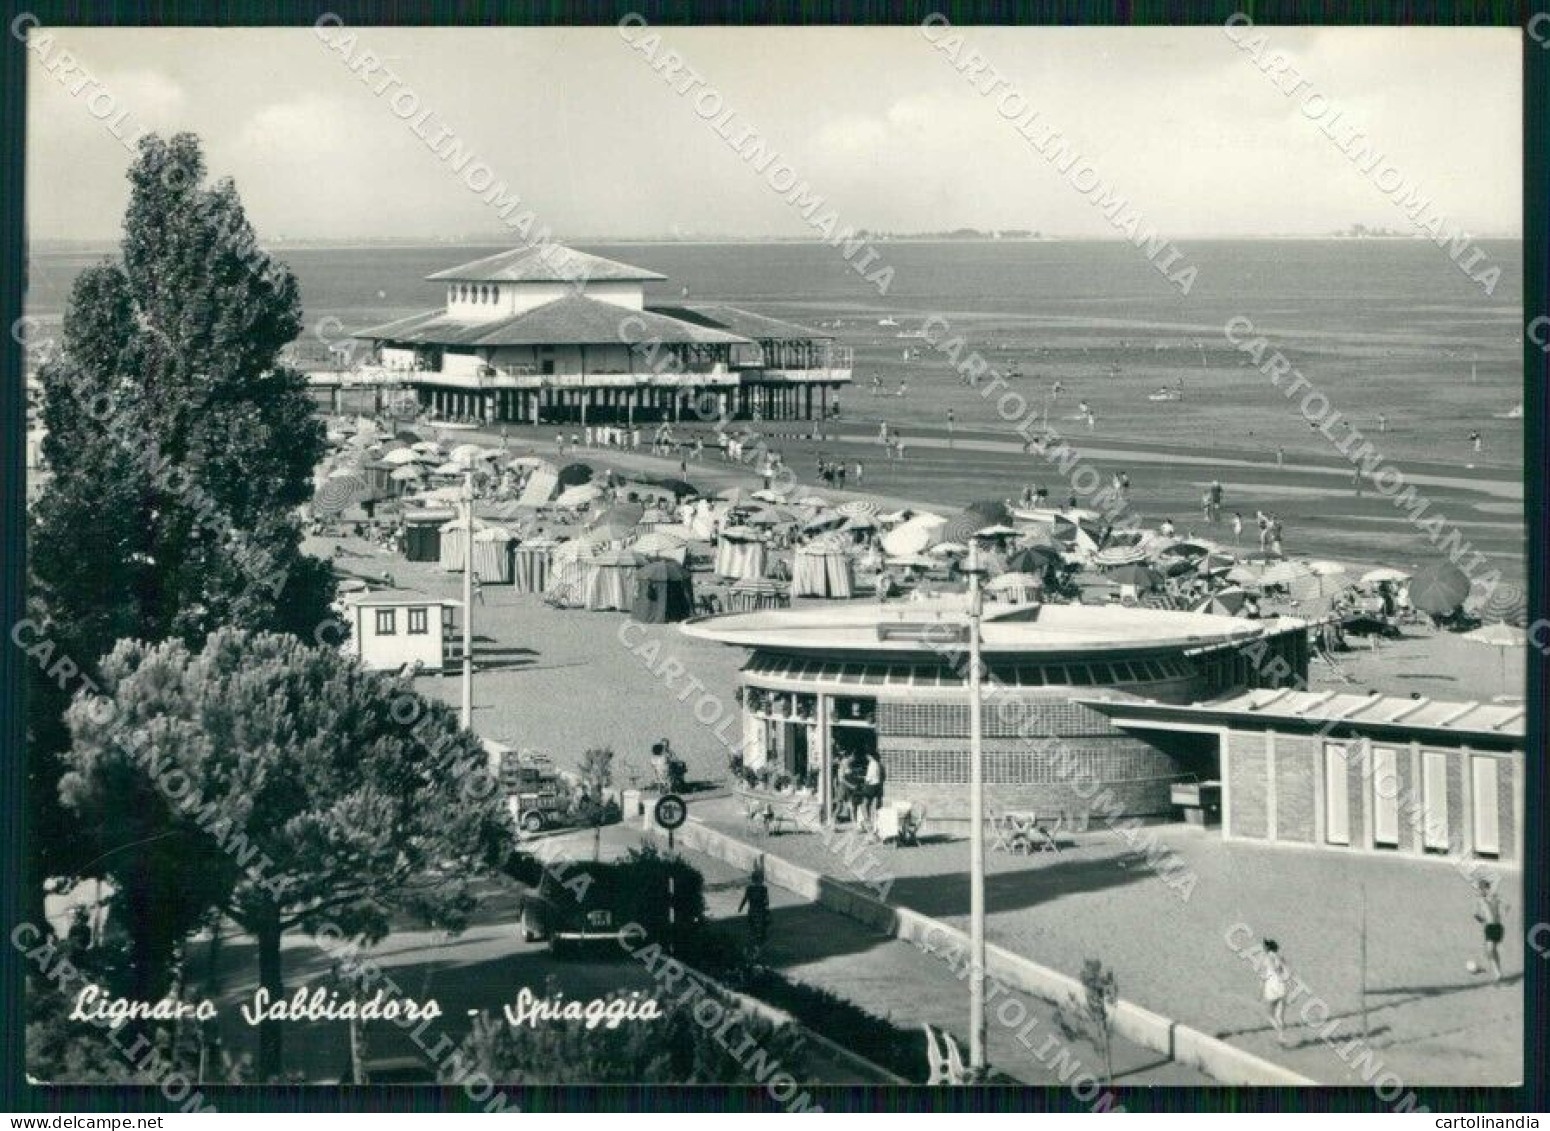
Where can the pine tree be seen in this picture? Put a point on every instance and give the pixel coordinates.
(286, 786)
(179, 449)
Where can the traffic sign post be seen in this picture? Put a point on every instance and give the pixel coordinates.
(670, 813)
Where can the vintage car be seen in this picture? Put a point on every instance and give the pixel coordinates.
(577, 903)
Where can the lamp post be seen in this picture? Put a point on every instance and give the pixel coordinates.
(468, 600)
(977, 1028)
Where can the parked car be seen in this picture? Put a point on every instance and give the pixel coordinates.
(578, 903)
(571, 903)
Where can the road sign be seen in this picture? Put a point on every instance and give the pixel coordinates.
(670, 811)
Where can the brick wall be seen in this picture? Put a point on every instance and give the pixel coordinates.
(925, 751)
(1504, 808)
(1296, 763)
(1247, 783)
(1456, 812)
(1409, 797)
(1357, 785)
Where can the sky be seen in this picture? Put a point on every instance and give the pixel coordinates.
(876, 120)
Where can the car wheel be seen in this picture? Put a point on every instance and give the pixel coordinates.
(533, 822)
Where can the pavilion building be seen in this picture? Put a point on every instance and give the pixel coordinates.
(549, 334)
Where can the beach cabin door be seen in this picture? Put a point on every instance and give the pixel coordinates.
(1337, 795)
(1487, 825)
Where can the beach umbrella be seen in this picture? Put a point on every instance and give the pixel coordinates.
(894, 517)
(826, 521)
(771, 516)
(525, 461)
(860, 522)
(1384, 573)
(1503, 601)
(1325, 568)
(466, 453)
(859, 508)
(575, 474)
(1243, 575)
(426, 446)
(946, 549)
(660, 544)
(812, 501)
(1214, 563)
(1176, 567)
(1439, 588)
(404, 474)
(1034, 559)
(1184, 549)
(765, 495)
(338, 491)
(1224, 603)
(451, 467)
(1502, 637)
(1133, 574)
(912, 561)
(1119, 555)
(999, 530)
(678, 487)
(402, 456)
(962, 527)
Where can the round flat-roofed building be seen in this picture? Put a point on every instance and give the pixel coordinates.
(828, 684)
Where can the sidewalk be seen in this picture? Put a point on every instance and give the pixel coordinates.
(895, 980)
(1430, 1021)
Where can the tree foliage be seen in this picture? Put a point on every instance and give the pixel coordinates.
(179, 450)
(285, 785)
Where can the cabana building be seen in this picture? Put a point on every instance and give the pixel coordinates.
(393, 627)
(549, 334)
(823, 684)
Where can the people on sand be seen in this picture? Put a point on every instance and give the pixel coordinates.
(1488, 913)
(1275, 979)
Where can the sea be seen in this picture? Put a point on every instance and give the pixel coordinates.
(1385, 328)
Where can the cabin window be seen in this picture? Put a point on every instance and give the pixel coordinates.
(1385, 796)
(387, 622)
(495, 294)
(418, 622)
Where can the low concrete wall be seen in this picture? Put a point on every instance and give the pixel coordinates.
(1223, 1062)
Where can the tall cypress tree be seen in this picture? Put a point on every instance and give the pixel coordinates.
(179, 447)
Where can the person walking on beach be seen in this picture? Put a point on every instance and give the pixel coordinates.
(478, 587)
(949, 429)
(1383, 423)
(1274, 978)
(1237, 527)
(1474, 439)
(1488, 913)
(1280, 457)
(859, 471)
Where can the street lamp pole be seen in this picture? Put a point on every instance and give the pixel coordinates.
(468, 600)
(977, 1027)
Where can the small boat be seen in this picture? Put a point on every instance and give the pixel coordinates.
(1165, 395)
(887, 322)
(1513, 413)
